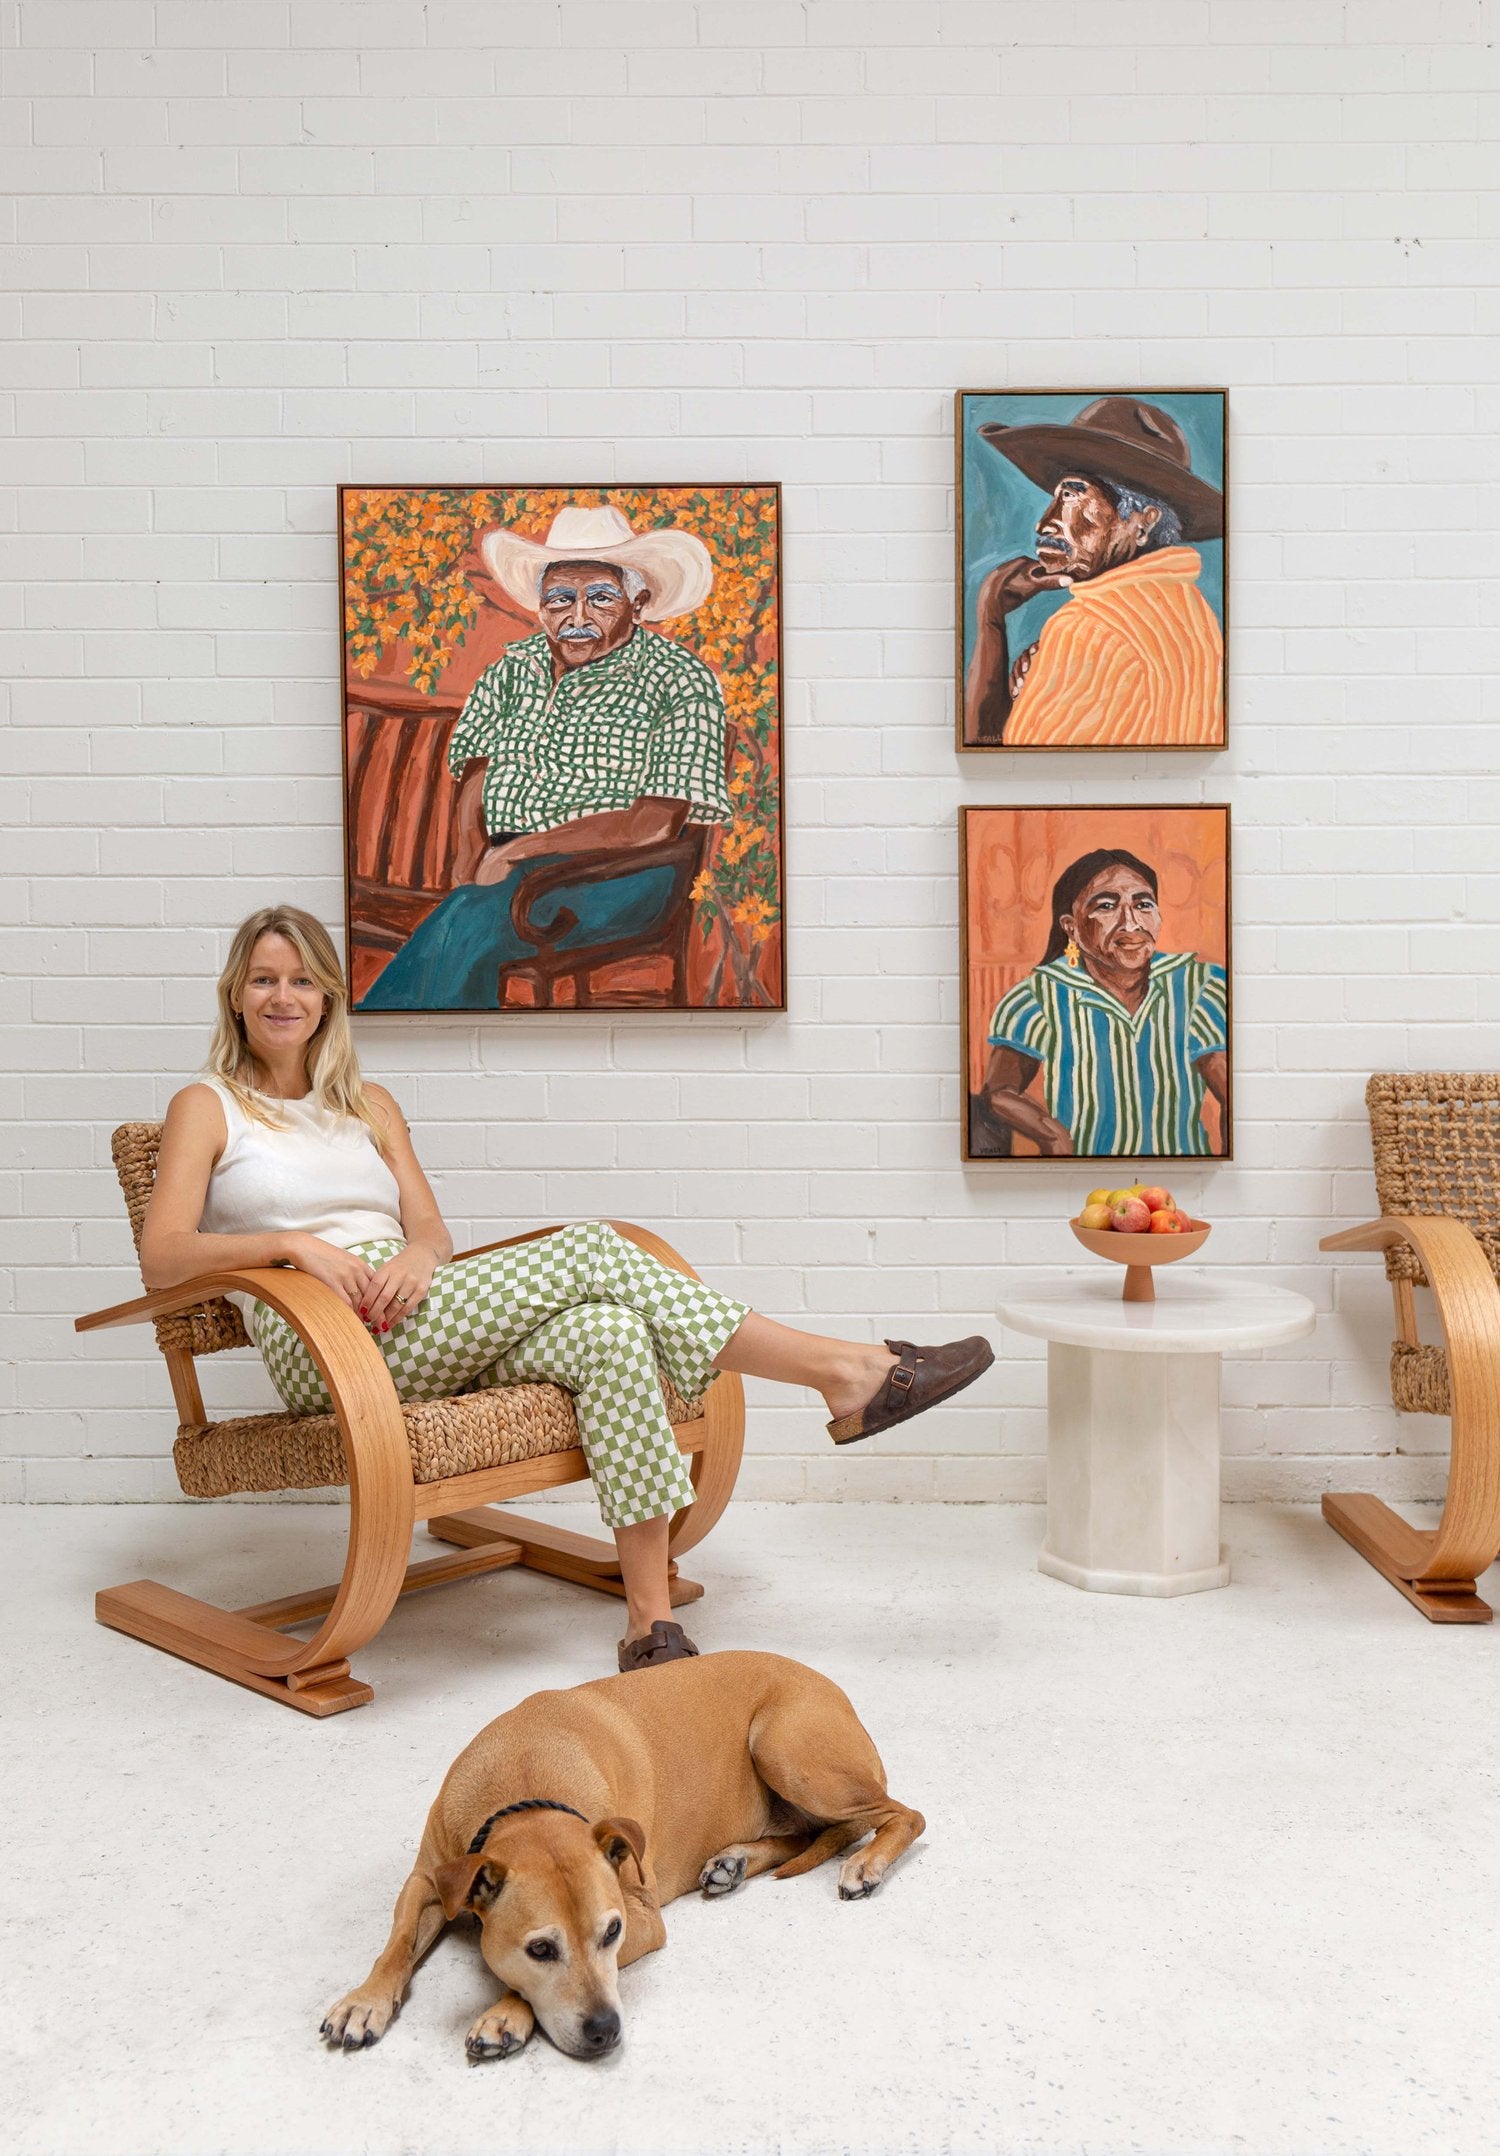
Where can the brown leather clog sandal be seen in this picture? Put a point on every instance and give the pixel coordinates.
(920, 1379)
(663, 1643)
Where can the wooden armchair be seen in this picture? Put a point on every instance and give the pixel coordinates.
(1437, 1173)
(442, 1461)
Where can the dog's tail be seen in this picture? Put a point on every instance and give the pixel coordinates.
(823, 1846)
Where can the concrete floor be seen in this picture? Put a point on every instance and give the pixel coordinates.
(1216, 1874)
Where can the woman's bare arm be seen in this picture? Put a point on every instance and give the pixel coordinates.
(174, 1248)
(420, 1214)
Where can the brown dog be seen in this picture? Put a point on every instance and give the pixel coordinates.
(568, 1822)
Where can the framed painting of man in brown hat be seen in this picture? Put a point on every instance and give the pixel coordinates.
(562, 747)
(1091, 539)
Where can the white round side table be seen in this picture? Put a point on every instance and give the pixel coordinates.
(1133, 1420)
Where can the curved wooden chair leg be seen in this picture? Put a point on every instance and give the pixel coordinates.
(1436, 1568)
(312, 1675)
(717, 1466)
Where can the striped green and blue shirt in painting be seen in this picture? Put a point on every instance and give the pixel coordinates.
(646, 719)
(1121, 1081)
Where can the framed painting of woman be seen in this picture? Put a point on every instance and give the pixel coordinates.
(1096, 1018)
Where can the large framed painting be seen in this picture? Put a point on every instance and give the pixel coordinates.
(562, 747)
(1091, 568)
(1096, 1021)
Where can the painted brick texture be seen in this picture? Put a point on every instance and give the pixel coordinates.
(251, 248)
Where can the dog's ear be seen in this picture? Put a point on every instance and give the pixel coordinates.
(470, 1882)
(619, 1839)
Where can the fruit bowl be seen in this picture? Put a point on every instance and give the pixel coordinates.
(1138, 1253)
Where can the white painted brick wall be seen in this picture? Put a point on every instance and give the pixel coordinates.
(255, 247)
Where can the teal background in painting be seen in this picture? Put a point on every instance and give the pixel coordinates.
(1001, 505)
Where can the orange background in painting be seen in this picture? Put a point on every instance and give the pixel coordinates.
(1015, 856)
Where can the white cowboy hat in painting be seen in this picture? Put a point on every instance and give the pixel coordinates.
(677, 566)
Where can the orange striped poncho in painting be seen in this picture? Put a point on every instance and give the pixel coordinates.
(1133, 659)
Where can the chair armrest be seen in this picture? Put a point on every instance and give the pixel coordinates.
(1374, 1234)
(586, 868)
(348, 1361)
(261, 1281)
(1463, 1286)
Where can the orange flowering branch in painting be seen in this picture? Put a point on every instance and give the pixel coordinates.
(408, 554)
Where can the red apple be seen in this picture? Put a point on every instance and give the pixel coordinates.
(1185, 1224)
(1164, 1222)
(1157, 1200)
(1130, 1217)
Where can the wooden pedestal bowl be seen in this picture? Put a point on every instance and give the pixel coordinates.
(1138, 1253)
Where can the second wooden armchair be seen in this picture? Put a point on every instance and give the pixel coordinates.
(1437, 1174)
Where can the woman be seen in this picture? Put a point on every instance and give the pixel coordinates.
(285, 1155)
(1129, 1040)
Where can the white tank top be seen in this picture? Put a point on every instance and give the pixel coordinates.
(320, 1175)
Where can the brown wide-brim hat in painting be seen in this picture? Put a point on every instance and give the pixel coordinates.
(1132, 445)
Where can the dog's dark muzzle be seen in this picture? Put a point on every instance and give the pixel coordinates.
(600, 2033)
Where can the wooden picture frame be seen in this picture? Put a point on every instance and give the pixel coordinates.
(1113, 633)
(440, 588)
(1134, 1082)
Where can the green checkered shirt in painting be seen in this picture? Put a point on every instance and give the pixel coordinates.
(1121, 1081)
(646, 719)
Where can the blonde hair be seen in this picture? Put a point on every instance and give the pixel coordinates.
(332, 1066)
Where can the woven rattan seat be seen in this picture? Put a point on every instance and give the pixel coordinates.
(1436, 1137)
(438, 1461)
(1419, 1379)
(493, 1428)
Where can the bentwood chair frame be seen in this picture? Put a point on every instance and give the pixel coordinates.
(1437, 1172)
(386, 1502)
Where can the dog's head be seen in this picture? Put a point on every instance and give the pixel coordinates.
(546, 1889)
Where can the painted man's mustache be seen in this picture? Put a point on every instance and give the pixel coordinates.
(588, 634)
(1054, 543)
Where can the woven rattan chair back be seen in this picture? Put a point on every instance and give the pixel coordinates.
(207, 1327)
(1437, 1151)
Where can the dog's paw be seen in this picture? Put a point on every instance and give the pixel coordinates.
(858, 1880)
(501, 2032)
(723, 1873)
(359, 2020)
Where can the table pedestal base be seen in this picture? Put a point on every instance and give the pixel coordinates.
(1133, 1472)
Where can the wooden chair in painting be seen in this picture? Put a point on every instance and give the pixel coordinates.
(546, 926)
(444, 1462)
(1437, 1174)
(409, 821)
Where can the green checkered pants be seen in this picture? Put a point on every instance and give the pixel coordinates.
(584, 1309)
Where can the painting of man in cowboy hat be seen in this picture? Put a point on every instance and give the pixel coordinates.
(1091, 538)
(595, 791)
